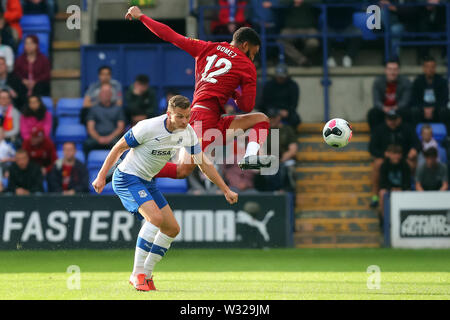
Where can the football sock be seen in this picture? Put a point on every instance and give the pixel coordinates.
(143, 245)
(258, 135)
(159, 248)
(168, 171)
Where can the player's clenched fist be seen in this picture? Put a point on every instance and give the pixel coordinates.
(98, 185)
(133, 12)
(232, 197)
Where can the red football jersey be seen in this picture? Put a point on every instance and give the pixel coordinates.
(220, 69)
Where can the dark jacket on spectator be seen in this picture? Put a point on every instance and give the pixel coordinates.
(395, 175)
(383, 136)
(302, 17)
(439, 86)
(141, 105)
(402, 95)
(29, 179)
(79, 178)
(13, 82)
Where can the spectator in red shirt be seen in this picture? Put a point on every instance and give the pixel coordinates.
(12, 12)
(68, 176)
(41, 149)
(33, 68)
(391, 91)
(35, 115)
(231, 17)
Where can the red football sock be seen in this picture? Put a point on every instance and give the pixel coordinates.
(168, 171)
(259, 132)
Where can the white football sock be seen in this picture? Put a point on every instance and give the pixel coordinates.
(160, 246)
(143, 245)
(252, 149)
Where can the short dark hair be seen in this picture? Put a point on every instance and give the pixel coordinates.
(431, 152)
(103, 68)
(426, 127)
(392, 60)
(22, 151)
(394, 148)
(246, 34)
(428, 59)
(179, 101)
(143, 79)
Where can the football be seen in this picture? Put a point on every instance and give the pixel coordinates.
(337, 133)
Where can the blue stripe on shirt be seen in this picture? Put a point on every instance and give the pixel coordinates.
(194, 149)
(130, 139)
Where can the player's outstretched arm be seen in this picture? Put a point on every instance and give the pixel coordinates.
(211, 173)
(120, 147)
(191, 46)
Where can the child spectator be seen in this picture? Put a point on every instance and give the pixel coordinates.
(25, 176)
(33, 67)
(41, 149)
(68, 176)
(35, 115)
(426, 135)
(9, 118)
(395, 173)
(432, 175)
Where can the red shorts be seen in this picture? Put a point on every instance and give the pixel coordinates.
(209, 120)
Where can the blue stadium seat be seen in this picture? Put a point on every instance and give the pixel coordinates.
(168, 185)
(44, 42)
(360, 22)
(5, 182)
(108, 190)
(79, 155)
(70, 132)
(439, 131)
(69, 107)
(48, 102)
(442, 155)
(68, 120)
(35, 22)
(96, 158)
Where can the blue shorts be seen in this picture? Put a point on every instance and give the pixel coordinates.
(134, 191)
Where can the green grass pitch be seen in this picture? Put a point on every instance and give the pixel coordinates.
(230, 274)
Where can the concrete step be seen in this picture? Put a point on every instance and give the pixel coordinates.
(337, 240)
(317, 127)
(63, 4)
(323, 147)
(66, 59)
(316, 138)
(67, 45)
(334, 214)
(335, 201)
(63, 87)
(332, 173)
(330, 156)
(333, 186)
(66, 74)
(62, 33)
(337, 225)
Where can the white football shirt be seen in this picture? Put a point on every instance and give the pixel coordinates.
(153, 145)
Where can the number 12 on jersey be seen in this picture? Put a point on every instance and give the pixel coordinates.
(222, 62)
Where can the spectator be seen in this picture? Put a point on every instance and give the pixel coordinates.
(392, 131)
(432, 175)
(426, 134)
(6, 33)
(68, 176)
(41, 149)
(300, 19)
(33, 67)
(199, 184)
(35, 7)
(12, 12)
(35, 115)
(105, 122)
(231, 17)
(11, 83)
(141, 100)
(395, 173)
(10, 118)
(340, 20)
(7, 53)
(238, 180)
(429, 95)
(282, 93)
(390, 91)
(263, 12)
(431, 19)
(25, 176)
(7, 153)
(165, 100)
(287, 147)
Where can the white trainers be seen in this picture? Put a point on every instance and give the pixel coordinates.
(331, 62)
(347, 62)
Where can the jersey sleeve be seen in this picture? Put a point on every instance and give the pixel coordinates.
(137, 135)
(192, 46)
(245, 99)
(193, 145)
